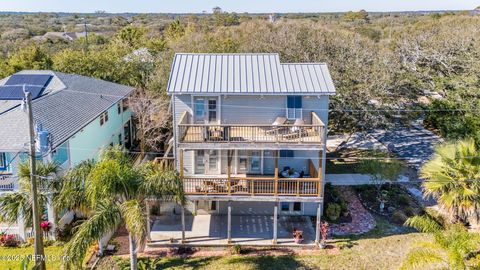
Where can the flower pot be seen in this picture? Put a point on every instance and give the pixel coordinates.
(298, 240)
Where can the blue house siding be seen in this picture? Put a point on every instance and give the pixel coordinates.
(87, 143)
(61, 154)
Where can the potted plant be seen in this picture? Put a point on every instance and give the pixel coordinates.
(324, 230)
(297, 236)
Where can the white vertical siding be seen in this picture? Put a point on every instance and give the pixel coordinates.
(252, 109)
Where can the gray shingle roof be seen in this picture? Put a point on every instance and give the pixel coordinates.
(64, 112)
(254, 73)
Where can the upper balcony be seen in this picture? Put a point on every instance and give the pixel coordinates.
(284, 132)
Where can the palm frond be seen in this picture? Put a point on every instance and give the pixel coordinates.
(135, 218)
(449, 173)
(110, 178)
(424, 223)
(163, 184)
(72, 194)
(17, 203)
(418, 258)
(105, 218)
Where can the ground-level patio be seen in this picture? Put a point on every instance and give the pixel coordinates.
(212, 230)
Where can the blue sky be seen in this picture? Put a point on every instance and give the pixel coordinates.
(252, 6)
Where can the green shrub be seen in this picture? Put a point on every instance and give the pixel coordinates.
(410, 211)
(347, 244)
(236, 249)
(333, 211)
(48, 242)
(404, 200)
(399, 217)
(343, 206)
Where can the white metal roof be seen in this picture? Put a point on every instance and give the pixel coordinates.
(254, 73)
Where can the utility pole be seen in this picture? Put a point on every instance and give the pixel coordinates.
(39, 252)
(86, 34)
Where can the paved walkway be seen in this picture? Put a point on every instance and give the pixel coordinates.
(348, 179)
(246, 229)
(415, 144)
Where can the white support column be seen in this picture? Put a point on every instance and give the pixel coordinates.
(51, 216)
(183, 224)
(275, 221)
(229, 223)
(22, 233)
(317, 226)
(147, 208)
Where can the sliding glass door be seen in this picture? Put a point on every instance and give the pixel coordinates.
(207, 162)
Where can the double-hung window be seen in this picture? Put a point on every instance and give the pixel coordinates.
(103, 118)
(3, 162)
(294, 107)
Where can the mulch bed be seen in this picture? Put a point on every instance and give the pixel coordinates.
(246, 251)
(362, 221)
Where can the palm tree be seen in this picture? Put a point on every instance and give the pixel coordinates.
(116, 193)
(72, 195)
(449, 249)
(453, 178)
(19, 202)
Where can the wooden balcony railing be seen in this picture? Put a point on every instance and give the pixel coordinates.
(236, 133)
(265, 186)
(167, 163)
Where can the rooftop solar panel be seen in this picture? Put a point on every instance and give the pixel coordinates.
(13, 88)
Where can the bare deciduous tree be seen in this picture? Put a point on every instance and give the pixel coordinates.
(153, 119)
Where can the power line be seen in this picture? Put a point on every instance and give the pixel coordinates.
(275, 107)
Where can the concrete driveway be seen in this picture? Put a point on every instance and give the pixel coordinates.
(246, 229)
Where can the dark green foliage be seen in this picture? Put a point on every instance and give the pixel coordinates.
(236, 249)
(333, 211)
(396, 197)
(336, 203)
(455, 119)
(399, 217)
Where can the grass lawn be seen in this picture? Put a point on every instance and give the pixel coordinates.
(346, 161)
(384, 247)
(52, 252)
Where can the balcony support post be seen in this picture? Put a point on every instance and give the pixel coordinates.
(183, 224)
(229, 223)
(276, 174)
(181, 164)
(275, 223)
(318, 224)
(320, 173)
(229, 170)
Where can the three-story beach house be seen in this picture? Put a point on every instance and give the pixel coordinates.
(249, 135)
(75, 117)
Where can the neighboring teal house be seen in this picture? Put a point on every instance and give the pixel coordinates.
(75, 117)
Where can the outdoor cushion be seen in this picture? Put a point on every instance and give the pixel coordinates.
(279, 121)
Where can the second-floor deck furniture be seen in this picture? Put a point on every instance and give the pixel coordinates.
(278, 132)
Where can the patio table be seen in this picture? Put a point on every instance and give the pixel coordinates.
(293, 175)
